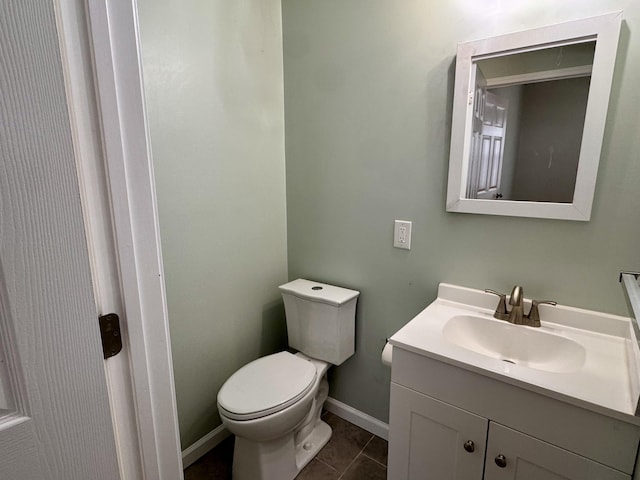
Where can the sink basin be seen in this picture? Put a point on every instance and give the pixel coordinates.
(516, 344)
(591, 359)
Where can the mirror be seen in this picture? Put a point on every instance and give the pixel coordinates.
(528, 120)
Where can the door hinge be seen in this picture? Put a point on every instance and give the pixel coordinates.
(110, 333)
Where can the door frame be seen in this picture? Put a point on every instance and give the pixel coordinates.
(117, 186)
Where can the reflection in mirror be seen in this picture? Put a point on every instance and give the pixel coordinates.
(529, 113)
(527, 124)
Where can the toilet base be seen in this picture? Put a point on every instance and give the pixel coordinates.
(310, 446)
(279, 459)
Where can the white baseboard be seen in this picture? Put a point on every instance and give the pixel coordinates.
(342, 410)
(361, 419)
(196, 450)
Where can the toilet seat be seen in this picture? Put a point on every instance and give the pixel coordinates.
(266, 386)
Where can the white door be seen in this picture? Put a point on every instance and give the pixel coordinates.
(487, 143)
(479, 92)
(494, 125)
(55, 423)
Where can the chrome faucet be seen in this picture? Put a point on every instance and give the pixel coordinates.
(517, 310)
(516, 314)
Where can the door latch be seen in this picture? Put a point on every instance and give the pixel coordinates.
(110, 333)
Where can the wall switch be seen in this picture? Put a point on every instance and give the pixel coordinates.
(402, 234)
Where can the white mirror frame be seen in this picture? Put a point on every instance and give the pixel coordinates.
(605, 29)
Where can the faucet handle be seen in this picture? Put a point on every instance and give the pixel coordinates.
(534, 313)
(501, 310)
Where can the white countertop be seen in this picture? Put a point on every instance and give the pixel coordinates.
(607, 381)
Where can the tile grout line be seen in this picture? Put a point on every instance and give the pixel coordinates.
(373, 459)
(355, 458)
(324, 463)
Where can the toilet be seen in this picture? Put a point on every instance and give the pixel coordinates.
(273, 404)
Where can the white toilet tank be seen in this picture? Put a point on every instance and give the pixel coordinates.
(321, 319)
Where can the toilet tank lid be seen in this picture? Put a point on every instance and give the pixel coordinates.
(319, 292)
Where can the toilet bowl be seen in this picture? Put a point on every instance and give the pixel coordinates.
(273, 404)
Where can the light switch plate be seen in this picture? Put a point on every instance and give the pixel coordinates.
(402, 234)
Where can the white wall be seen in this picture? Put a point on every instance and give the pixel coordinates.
(214, 90)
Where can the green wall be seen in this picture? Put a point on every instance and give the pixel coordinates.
(368, 94)
(213, 82)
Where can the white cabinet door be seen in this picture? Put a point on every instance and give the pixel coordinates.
(512, 455)
(431, 440)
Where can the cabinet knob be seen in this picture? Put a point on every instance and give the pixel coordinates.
(469, 446)
(501, 461)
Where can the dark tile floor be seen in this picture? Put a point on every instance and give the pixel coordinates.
(351, 454)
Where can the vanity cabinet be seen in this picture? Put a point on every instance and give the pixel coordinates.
(447, 423)
(513, 455)
(431, 439)
(434, 440)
